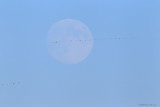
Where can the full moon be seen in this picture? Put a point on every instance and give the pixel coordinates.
(69, 41)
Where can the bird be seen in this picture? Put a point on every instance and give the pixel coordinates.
(55, 42)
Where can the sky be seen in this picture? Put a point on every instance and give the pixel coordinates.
(117, 73)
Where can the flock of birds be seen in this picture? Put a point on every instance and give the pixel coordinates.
(80, 40)
(10, 84)
(96, 39)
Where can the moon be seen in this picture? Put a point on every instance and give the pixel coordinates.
(69, 41)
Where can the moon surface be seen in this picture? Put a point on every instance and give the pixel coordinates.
(69, 41)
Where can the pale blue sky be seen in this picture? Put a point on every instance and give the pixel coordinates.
(118, 73)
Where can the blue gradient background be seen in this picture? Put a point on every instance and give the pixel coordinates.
(118, 73)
